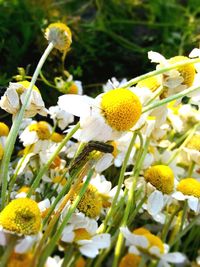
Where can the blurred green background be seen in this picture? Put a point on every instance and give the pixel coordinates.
(110, 37)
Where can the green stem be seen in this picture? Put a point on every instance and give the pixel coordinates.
(191, 169)
(50, 247)
(9, 249)
(120, 182)
(159, 71)
(131, 195)
(10, 142)
(47, 165)
(170, 98)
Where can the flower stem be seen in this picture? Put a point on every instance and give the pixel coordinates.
(120, 182)
(170, 98)
(159, 71)
(10, 141)
(46, 166)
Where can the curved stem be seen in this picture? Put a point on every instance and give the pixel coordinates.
(10, 142)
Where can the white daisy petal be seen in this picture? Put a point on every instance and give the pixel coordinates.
(155, 202)
(174, 257)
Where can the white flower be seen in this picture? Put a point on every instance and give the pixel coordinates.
(60, 117)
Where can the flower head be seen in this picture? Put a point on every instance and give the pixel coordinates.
(121, 109)
(21, 216)
(130, 260)
(20, 260)
(91, 202)
(42, 129)
(60, 35)
(190, 187)
(161, 177)
(152, 83)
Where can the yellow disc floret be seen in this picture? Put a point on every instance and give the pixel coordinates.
(154, 241)
(91, 202)
(130, 260)
(189, 186)
(25, 85)
(1, 151)
(81, 234)
(56, 137)
(73, 89)
(20, 260)
(186, 71)
(21, 216)
(60, 35)
(162, 177)
(80, 262)
(42, 128)
(151, 83)
(121, 109)
(4, 130)
(194, 142)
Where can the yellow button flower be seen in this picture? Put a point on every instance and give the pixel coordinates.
(21, 216)
(91, 202)
(161, 177)
(1, 151)
(121, 109)
(60, 35)
(151, 83)
(20, 260)
(4, 130)
(130, 260)
(56, 137)
(186, 71)
(81, 234)
(194, 142)
(42, 128)
(189, 186)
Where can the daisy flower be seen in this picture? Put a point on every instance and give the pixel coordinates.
(60, 117)
(14, 97)
(142, 241)
(107, 116)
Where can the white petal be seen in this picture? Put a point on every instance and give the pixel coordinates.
(3, 240)
(76, 104)
(68, 234)
(156, 57)
(104, 162)
(25, 244)
(89, 251)
(155, 202)
(195, 53)
(101, 241)
(193, 203)
(133, 250)
(179, 196)
(174, 257)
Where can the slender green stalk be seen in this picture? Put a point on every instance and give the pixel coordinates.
(170, 98)
(10, 142)
(131, 195)
(8, 251)
(50, 247)
(47, 165)
(159, 71)
(120, 182)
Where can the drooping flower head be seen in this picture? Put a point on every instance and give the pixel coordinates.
(60, 35)
(21, 216)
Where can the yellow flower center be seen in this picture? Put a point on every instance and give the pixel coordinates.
(21, 216)
(115, 150)
(153, 239)
(80, 262)
(151, 83)
(121, 109)
(42, 129)
(91, 202)
(81, 234)
(186, 71)
(25, 85)
(194, 142)
(161, 177)
(20, 260)
(24, 189)
(189, 186)
(73, 89)
(56, 163)
(60, 35)
(1, 151)
(4, 130)
(56, 137)
(130, 260)
(59, 180)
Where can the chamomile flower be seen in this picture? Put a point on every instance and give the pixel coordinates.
(106, 117)
(161, 178)
(130, 260)
(189, 189)
(60, 35)
(20, 260)
(142, 241)
(82, 231)
(14, 97)
(60, 117)
(174, 80)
